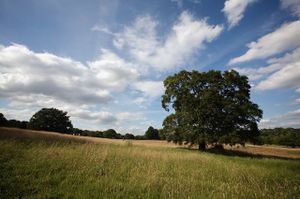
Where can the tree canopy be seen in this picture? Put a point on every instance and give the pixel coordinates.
(111, 133)
(152, 134)
(3, 120)
(51, 119)
(210, 108)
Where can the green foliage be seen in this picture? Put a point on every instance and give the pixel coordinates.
(151, 134)
(210, 108)
(281, 136)
(129, 136)
(51, 119)
(111, 133)
(3, 120)
(162, 134)
(12, 123)
(139, 137)
(17, 124)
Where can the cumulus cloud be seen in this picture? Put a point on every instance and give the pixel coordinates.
(234, 10)
(290, 119)
(289, 62)
(284, 38)
(150, 89)
(30, 81)
(283, 72)
(22, 72)
(293, 5)
(105, 117)
(287, 77)
(112, 71)
(187, 36)
(25, 72)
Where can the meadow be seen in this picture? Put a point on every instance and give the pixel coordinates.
(50, 165)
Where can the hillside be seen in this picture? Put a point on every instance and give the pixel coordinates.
(50, 165)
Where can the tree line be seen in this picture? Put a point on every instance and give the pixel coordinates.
(277, 136)
(52, 119)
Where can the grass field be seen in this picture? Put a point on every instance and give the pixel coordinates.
(49, 165)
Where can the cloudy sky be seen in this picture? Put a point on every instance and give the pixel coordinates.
(103, 61)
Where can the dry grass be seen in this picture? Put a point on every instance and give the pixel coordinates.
(50, 165)
(274, 151)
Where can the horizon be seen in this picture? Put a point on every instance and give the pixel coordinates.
(104, 61)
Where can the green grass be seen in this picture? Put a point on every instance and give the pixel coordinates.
(53, 168)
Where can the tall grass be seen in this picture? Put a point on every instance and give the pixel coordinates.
(53, 168)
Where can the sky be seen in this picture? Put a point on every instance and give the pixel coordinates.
(104, 61)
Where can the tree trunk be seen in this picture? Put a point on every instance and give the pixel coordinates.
(202, 146)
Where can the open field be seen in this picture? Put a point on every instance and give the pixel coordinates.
(50, 165)
(272, 151)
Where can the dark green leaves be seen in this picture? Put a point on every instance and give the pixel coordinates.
(51, 119)
(210, 107)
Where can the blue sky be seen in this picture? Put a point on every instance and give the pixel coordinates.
(103, 61)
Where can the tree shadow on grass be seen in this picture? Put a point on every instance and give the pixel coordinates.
(236, 153)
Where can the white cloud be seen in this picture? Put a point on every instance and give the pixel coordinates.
(283, 72)
(112, 71)
(276, 64)
(297, 101)
(102, 29)
(288, 75)
(293, 5)
(31, 81)
(142, 102)
(290, 119)
(186, 37)
(24, 72)
(284, 38)
(234, 10)
(151, 89)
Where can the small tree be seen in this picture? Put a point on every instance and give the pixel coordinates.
(3, 120)
(129, 136)
(110, 133)
(210, 108)
(152, 134)
(51, 119)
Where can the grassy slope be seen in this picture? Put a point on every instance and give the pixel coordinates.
(52, 167)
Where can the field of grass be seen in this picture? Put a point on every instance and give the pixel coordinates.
(48, 165)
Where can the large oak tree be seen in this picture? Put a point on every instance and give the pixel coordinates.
(210, 108)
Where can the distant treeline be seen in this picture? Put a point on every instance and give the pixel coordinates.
(277, 136)
(110, 133)
(151, 133)
(12, 123)
(280, 136)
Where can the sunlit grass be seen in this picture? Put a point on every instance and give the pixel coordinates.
(59, 168)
